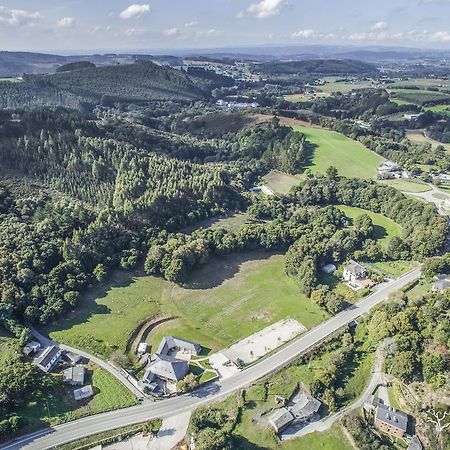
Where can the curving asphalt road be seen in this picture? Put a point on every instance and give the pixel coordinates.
(87, 426)
(117, 373)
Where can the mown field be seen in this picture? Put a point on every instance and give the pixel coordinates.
(385, 228)
(418, 137)
(350, 158)
(408, 186)
(421, 83)
(223, 301)
(440, 109)
(280, 182)
(332, 84)
(417, 96)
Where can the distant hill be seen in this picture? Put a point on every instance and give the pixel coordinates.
(79, 65)
(141, 81)
(325, 67)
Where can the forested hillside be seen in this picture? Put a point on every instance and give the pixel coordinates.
(316, 67)
(141, 82)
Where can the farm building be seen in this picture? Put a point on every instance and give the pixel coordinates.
(74, 375)
(84, 392)
(170, 344)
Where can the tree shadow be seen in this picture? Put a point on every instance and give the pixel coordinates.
(379, 232)
(311, 150)
(242, 443)
(88, 304)
(218, 270)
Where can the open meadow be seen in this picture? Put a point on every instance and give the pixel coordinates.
(417, 96)
(418, 137)
(222, 302)
(280, 182)
(408, 185)
(330, 148)
(335, 84)
(385, 228)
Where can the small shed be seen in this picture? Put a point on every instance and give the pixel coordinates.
(281, 419)
(142, 348)
(74, 375)
(84, 392)
(329, 268)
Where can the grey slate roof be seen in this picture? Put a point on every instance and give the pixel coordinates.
(305, 407)
(415, 444)
(83, 392)
(392, 417)
(165, 366)
(169, 343)
(74, 375)
(355, 268)
(48, 354)
(281, 418)
(441, 285)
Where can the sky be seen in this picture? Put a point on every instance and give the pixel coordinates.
(118, 25)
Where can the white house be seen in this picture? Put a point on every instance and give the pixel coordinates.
(49, 357)
(353, 272)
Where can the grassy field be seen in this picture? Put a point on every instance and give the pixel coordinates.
(384, 228)
(393, 268)
(332, 85)
(408, 186)
(231, 298)
(421, 83)
(441, 109)
(58, 404)
(281, 183)
(417, 96)
(9, 80)
(223, 301)
(107, 316)
(350, 158)
(419, 138)
(305, 97)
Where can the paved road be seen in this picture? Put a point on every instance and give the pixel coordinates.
(128, 381)
(78, 429)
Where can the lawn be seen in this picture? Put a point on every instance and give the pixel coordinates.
(332, 85)
(393, 268)
(419, 138)
(58, 405)
(330, 148)
(233, 297)
(107, 316)
(385, 228)
(223, 301)
(440, 109)
(418, 96)
(280, 182)
(421, 83)
(408, 186)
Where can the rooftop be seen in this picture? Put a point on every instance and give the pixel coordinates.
(305, 407)
(281, 418)
(392, 417)
(168, 367)
(354, 267)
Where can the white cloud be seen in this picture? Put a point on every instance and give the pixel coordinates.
(240, 15)
(66, 22)
(18, 17)
(379, 26)
(266, 8)
(171, 32)
(303, 34)
(212, 32)
(134, 11)
(190, 24)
